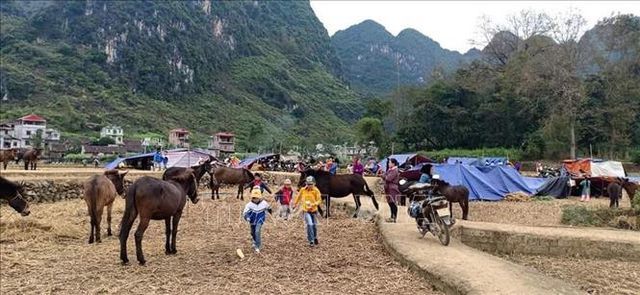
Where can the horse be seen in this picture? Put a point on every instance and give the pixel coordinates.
(6, 156)
(339, 186)
(227, 175)
(101, 191)
(453, 193)
(12, 192)
(31, 157)
(198, 170)
(156, 199)
(614, 190)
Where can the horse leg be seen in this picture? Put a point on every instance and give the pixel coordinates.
(142, 227)
(174, 232)
(356, 199)
(109, 207)
(167, 226)
(465, 209)
(35, 165)
(125, 228)
(99, 210)
(328, 206)
(26, 164)
(240, 192)
(91, 235)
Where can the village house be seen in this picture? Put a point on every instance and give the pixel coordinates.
(179, 137)
(114, 132)
(21, 132)
(222, 144)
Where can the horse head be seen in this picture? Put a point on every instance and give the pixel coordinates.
(189, 184)
(248, 176)
(117, 178)
(14, 192)
(631, 188)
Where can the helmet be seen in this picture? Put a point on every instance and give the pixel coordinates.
(287, 181)
(310, 180)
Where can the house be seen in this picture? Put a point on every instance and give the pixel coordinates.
(179, 137)
(222, 143)
(105, 150)
(21, 132)
(133, 146)
(114, 132)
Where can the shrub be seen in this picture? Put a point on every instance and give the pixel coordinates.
(635, 156)
(578, 215)
(512, 154)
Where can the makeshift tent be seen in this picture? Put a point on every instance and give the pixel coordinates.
(489, 183)
(141, 161)
(248, 162)
(482, 161)
(557, 187)
(404, 160)
(186, 158)
(177, 158)
(594, 167)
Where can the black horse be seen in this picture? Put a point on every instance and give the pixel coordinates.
(198, 170)
(339, 186)
(12, 192)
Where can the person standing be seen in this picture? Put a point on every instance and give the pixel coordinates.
(358, 168)
(586, 189)
(391, 182)
(165, 160)
(309, 199)
(157, 160)
(255, 212)
(284, 196)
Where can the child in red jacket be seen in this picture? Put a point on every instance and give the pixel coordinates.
(284, 196)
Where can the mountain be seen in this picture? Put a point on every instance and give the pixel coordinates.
(374, 62)
(265, 70)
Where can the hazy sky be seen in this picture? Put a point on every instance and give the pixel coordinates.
(452, 24)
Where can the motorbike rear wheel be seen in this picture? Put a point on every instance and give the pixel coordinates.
(441, 230)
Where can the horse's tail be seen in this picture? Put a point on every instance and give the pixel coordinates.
(91, 196)
(369, 193)
(130, 213)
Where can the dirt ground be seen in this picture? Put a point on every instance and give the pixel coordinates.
(47, 252)
(533, 213)
(595, 276)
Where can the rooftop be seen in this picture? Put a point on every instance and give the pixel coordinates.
(33, 118)
(179, 130)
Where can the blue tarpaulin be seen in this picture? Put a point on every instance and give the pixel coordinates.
(489, 183)
(248, 162)
(482, 161)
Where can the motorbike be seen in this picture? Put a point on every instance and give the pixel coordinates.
(430, 210)
(549, 172)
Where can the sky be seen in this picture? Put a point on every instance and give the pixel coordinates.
(453, 23)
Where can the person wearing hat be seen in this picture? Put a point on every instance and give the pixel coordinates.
(284, 196)
(309, 199)
(255, 212)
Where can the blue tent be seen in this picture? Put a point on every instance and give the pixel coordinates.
(489, 183)
(481, 161)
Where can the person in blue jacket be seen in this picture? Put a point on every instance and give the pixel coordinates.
(425, 176)
(255, 212)
(157, 160)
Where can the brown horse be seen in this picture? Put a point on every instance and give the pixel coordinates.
(226, 175)
(101, 191)
(156, 199)
(198, 170)
(31, 157)
(453, 193)
(339, 186)
(12, 192)
(614, 190)
(6, 156)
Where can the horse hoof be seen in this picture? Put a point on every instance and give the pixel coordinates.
(98, 241)
(142, 263)
(125, 262)
(109, 234)
(174, 252)
(90, 241)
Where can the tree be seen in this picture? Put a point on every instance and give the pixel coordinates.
(104, 141)
(36, 139)
(371, 129)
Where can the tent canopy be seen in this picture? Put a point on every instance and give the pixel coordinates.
(248, 162)
(481, 161)
(487, 183)
(594, 167)
(177, 158)
(404, 159)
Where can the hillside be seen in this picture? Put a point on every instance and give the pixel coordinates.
(374, 61)
(265, 70)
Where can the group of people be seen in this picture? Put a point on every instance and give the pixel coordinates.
(307, 198)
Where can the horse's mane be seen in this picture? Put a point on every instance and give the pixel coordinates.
(442, 182)
(312, 172)
(111, 172)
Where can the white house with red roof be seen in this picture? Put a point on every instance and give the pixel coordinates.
(20, 133)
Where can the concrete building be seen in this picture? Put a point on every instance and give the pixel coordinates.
(21, 133)
(222, 143)
(179, 137)
(114, 132)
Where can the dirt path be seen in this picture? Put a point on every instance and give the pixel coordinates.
(47, 253)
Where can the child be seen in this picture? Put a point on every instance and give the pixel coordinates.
(257, 182)
(284, 197)
(309, 199)
(255, 212)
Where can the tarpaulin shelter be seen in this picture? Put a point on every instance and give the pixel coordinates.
(557, 187)
(481, 161)
(248, 162)
(186, 158)
(177, 158)
(404, 160)
(594, 167)
(490, 183)
(141, 162)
